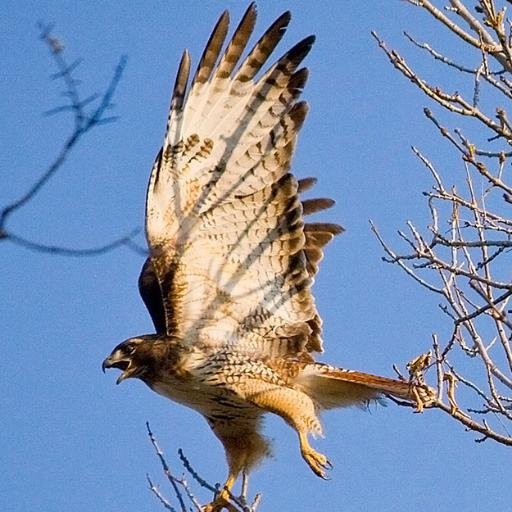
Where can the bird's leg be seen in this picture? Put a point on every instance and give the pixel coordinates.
(318, 462)
(298, 410)
(244, 447)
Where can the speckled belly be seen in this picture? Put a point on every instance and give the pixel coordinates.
(214, 402)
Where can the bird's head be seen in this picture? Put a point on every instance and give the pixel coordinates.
(133, 357)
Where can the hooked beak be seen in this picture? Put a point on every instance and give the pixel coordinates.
(116, 361)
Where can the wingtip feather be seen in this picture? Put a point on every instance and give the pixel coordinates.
(212, 49)
(180, 84)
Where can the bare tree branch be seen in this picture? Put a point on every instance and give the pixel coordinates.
(124, 241)
(183, 492)
(463, 255)
(88, 113)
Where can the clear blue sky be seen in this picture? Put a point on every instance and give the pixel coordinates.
(70, 440)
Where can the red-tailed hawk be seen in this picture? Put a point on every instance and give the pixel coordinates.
(232, 260)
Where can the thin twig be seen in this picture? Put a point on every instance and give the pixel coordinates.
(166, 468)
(125, 241)
(88, 113)
(154, 489)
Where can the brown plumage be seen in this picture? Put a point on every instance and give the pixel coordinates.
(232, 260)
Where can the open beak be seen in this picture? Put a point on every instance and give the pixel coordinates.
(122, 364)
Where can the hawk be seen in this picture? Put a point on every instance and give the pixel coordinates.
(232, 259)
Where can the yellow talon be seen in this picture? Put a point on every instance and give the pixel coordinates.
(222, 500)
(220, 503)
(318, 462)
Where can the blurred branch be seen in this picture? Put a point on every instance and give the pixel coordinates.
(463, 254)
(125, 241)
(88, 114)
(183, 492)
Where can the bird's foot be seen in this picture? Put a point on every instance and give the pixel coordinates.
(318, 462)
(424, 396)
(218, 504)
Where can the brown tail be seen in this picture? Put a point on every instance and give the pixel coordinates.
(332, 387)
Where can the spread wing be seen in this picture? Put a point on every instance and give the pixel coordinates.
(230, 252)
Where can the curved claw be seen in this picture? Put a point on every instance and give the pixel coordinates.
(318, 463)
(219, 504)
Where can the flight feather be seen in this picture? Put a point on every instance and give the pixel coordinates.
(230, 252)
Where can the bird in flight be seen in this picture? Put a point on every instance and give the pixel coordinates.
(232, 259)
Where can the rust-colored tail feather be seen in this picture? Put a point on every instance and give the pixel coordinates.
(397, 388)
(332, 387)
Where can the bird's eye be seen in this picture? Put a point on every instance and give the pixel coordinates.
(130, 349)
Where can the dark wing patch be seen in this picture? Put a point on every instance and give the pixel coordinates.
(149, 290)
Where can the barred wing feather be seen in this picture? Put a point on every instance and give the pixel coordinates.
(230, 253)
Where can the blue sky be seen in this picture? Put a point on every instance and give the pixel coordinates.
(73, 441)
